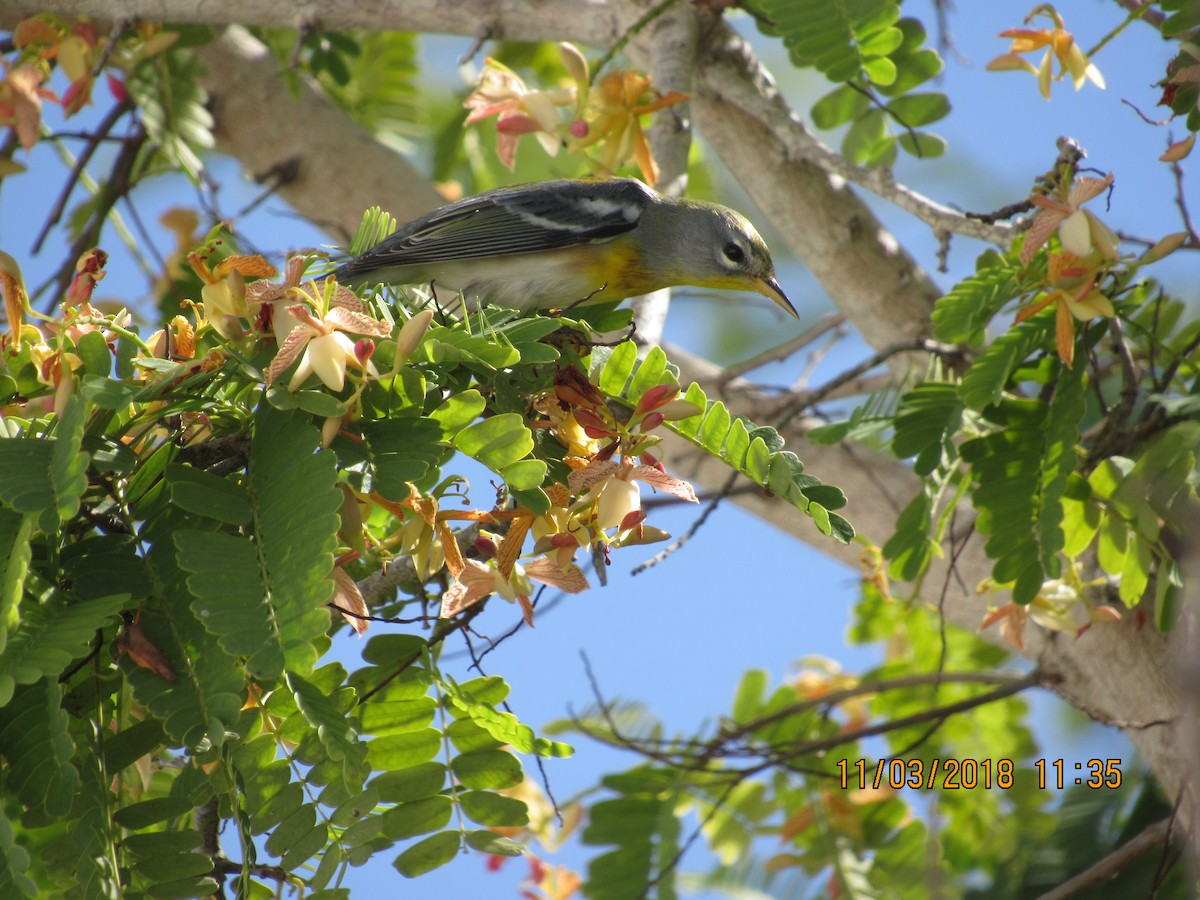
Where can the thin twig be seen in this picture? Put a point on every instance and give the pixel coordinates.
(651, 14)
(119, 27)
(833, 698)
(783, 351)
(94, 139)
(692, 529)
(1111, 865)
(1177, 171)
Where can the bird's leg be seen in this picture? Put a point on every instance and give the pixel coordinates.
(565, 309)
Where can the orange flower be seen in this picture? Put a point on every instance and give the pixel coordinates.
(621, 102)
(224, 291)
(1059, 44)
(1077, 297)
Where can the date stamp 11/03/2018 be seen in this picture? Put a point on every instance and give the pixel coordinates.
(976, 774)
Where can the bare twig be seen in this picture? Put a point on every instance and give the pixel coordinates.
(1108, 867)
(784, 350)
(94, 140)
(692, 529)
(1177, 171)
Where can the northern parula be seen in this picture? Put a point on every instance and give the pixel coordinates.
(553, 243)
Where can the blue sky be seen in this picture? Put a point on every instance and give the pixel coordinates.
(680, 636)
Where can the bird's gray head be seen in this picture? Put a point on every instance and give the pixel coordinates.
(723, 250)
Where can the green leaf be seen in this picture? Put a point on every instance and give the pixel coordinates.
(494, 810)
(487, 769)
(865, 137)
(429, 854)
(922, 144)
(380, 717)
(266, 599)
(910, 549)
(880, 70)
(51, 635)
(962, 314)
(15, 553)
(399, 751)
(334, 730)
(491, 843)
(927, 420)
(402, 450)
(524, 475)
(750, 693)
(47, 478)
(411, 782)
(208, 495)
(496, 442)
(916, 110)
(616, 370)
(150, 812)
(830, 34)
(841, 105)
(205, 699)
(169, 93)
(416, 817)
(36, 744)
(458, 411)
(984, 382)
(14, 863)
(93, 351)
(444, 344)
(472, 698)
(650, 372)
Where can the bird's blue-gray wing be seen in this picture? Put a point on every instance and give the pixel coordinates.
(506, 221)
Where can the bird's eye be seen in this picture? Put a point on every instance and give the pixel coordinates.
(734, 253)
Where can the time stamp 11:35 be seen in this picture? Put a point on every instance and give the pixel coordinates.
(973, 774)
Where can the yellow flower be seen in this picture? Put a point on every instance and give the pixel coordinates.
(1076, 296)
(620, 103)
(1059, 43)
(224, 290)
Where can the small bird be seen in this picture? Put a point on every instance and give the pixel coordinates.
(554, 243)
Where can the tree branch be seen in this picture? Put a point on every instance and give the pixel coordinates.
(1151, 836)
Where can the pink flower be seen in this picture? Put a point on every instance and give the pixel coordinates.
(610, 486)
(500, 92)
(478, 580)
(326, 348)
(1078, 229)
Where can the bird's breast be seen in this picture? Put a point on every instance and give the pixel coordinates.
(546, 280)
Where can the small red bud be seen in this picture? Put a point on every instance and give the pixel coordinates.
(657, 396)
(632, 519)
(116, 87)
(364, 349)
(579, 128)
(652, 421)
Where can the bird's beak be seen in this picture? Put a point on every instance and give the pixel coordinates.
(769, 287)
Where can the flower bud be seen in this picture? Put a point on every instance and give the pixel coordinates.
(364, 349)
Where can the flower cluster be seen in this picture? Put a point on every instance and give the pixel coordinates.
(45, 42)
(1056, 608)
(1088, 249)
(609, 118)
(598, 508)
